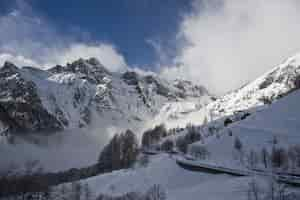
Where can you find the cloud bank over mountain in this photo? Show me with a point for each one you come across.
(230, 42)
(26, 38)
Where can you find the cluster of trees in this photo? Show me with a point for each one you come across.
(33, 181)
(276, 158)
(199, 152)
(71, 191)
(167, 145)
(283, 158)
(151, 137)
(156, 192)
(121, 152)
(193, 135)
(273, 190)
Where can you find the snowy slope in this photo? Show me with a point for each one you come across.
(180, 114)
(178, 183)
(280, 121)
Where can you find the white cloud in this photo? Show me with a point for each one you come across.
(17, 60)
(105, 53)
(28, 39)
(233, 41)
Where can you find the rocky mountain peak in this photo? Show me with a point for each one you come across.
(90, 69)
(8, 69)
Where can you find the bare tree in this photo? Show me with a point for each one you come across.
(76, 191)
(167, 145)
(279, 157)
(273, 191)
(88, 195)
(294, 156)
(144, 160)
(253, 190)
(182, 144)
(252, 159)
(238, 144)
(265, 157)
(156, 192)
(129, 148)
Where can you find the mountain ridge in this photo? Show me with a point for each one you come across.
(69, 96)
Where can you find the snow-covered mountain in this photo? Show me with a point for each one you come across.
(269, 87)
(72, 96)
(78, 94)
(272, 100)
(276, 83)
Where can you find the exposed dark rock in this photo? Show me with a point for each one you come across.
(20, 106)
(131, 78)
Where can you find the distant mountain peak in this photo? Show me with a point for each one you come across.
(274, 84)
(9, 67)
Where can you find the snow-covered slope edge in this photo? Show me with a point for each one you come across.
(242, 144)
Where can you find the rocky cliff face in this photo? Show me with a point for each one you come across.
(75, 95)
(21, 108)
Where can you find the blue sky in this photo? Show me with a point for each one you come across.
(204, 41)
(134, 27)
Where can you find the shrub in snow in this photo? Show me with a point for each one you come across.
(87, 193)
(227, 121)
(69, 191)
(297, 82)
(199, 151)
(76, 191)
(156, 192)
(254, 191)
(274, 141)
(294, 156)
(252, 159)
(238, 144)
(238, 147)
(266, 100)
(167, 145)
(230, 132)
(265, 157)
(144, 160)
(182, 144)
(212, 130)
(279, 157)
(127, 196)
(271, 191)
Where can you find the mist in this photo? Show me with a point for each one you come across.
(230, 42)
